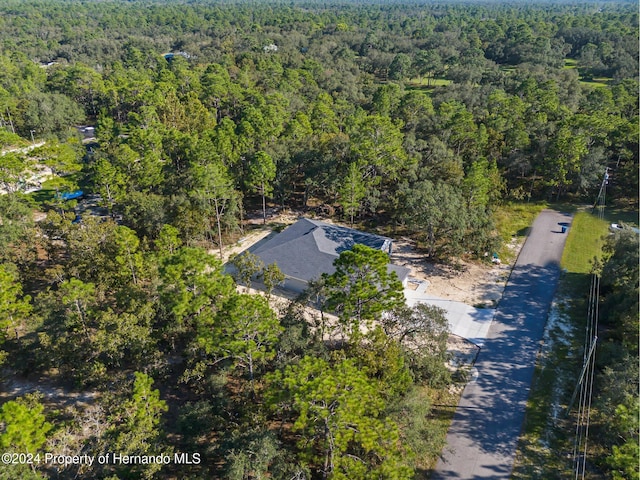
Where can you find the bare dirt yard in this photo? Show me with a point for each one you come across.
(476, 283)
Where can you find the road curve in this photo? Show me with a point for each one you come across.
(481, 441)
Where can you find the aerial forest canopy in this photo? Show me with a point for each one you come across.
(388, 109)
(417, 118)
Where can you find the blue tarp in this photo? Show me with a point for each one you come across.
(71, 195)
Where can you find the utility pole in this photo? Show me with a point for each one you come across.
(10, 121)
(531, 189)
(32, 139)
(603, 186)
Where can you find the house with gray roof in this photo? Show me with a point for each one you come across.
(308, 248)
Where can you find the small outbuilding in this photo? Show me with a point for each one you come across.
(308, 248)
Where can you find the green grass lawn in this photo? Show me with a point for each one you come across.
(584, 242)
(596, 82)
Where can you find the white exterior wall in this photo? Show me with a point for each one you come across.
(295, 285)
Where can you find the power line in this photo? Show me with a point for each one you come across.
(584, 386)
(585, 383)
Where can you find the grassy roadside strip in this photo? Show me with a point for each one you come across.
(425, 82)
(444, 403)
(546, 444)
(512, 222)
(584, 243)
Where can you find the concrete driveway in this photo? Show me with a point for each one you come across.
(465, 321)
(482, 439)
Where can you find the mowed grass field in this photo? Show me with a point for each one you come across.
(584, 242)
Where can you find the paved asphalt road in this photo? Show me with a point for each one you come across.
(481, 441)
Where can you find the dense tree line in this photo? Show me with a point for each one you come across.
(419, 118)
(617, 405)
(336, 112)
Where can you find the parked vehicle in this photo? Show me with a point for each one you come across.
(616, 227)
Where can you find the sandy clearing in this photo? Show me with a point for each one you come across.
(475, 283)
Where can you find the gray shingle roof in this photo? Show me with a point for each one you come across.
(307, 249)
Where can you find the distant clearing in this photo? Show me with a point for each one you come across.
(572, 64)
(428, 83)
